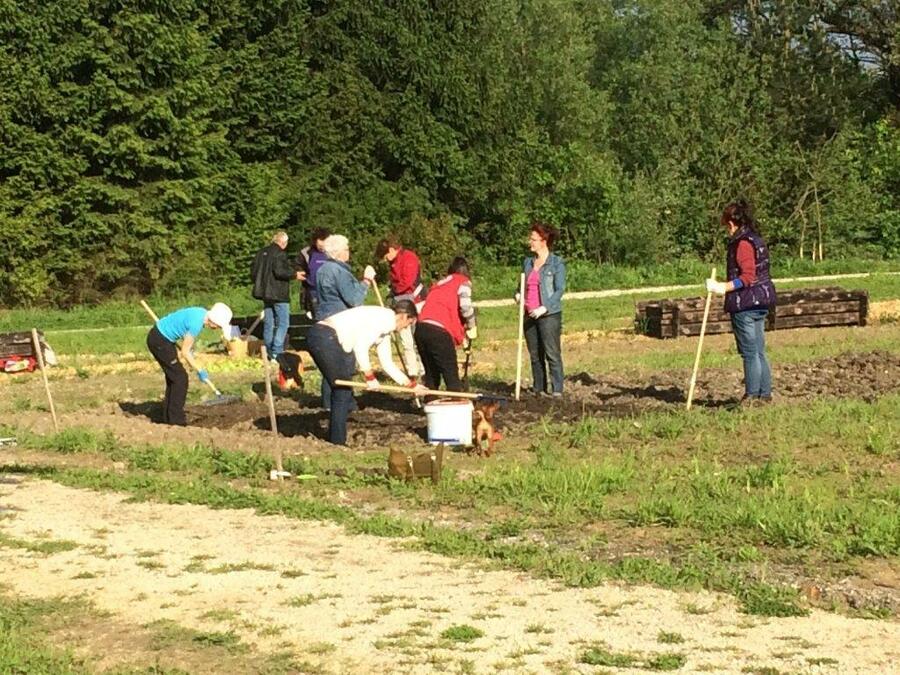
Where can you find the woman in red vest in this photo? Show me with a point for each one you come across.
(440, 328)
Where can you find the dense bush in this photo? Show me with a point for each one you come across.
(153, 145)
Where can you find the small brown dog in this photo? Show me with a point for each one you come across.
(483, 427)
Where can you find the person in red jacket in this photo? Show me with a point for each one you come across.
(446, 320)
(406, 271)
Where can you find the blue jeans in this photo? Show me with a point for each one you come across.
(275, 326)
(543, 339)
(334, 364)
(749, 329)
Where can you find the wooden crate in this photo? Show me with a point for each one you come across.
(19, 344)
(801, 308)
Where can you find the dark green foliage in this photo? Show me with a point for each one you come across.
(154, 146)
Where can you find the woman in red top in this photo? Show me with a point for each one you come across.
(440, 327)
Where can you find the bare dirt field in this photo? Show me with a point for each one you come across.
(359, 604)
(383, 420)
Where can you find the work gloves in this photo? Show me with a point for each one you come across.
(372, 382)
(369, 273)
(717, 287)
(203, 376)
(538, 312)
(419, 389)
(472, 333)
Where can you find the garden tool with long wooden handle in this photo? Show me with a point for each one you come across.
(521, 337)
(690, 397)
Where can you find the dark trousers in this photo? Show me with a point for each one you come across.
(166, 355)
(334, 364)
(438, 354)
(543, 337)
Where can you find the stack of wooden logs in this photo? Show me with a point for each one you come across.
(802, 308)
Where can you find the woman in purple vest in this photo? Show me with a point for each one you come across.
(749, 293)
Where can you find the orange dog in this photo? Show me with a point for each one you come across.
(483, 427)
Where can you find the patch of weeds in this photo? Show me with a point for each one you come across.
(245, 566)
(308, 598)
(669, 638)
(150, 564)
(766, 600)
(219, 615)
(272, 630)
(761, 670)
(293, 574)
(462, 633)
(228, 640)
(821, 661)
(148, 554)
(670, 661)
(537, 628)
(48, 547)
(85, 575)
(319, 648)
(697, 610)
(597, 656)
(382, 599)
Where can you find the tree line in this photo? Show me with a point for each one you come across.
(155, 144)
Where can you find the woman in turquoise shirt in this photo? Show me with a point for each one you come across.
(185, 325)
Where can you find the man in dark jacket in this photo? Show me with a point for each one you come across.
(272, 273)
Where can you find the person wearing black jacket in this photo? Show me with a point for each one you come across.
(272, 273)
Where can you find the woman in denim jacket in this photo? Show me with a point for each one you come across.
(545, 283)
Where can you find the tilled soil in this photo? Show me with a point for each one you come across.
(383, 420)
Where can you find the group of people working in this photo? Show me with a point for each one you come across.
(434, 322)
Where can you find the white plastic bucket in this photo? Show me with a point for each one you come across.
(449, 421)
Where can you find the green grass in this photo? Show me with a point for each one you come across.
(805, 486)
(462, 633)
(23, 646)
(46, 547)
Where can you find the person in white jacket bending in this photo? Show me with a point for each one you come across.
(341, 343)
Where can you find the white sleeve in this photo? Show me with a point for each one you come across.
(361, 351)
(387, 363)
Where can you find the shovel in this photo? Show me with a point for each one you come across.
(392, 389)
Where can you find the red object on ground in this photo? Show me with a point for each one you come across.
(18, 364)
(497, 436)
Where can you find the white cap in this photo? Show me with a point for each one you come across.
(220, 314)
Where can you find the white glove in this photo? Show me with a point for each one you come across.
(518, 297)
(372, 384)
(420, 390)
(717, 287)
(369, 273)
(472, 333)
(538, 312)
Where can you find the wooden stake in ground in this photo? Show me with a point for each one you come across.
(521, 336)
(40, 358)
(690, 398)
(278, 473)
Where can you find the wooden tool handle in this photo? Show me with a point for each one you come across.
(253, 326)
(693, 384)
(149, 311)
(39, 353)
(521, 336)
(393, 389)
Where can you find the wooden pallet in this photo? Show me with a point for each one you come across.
(802, 308)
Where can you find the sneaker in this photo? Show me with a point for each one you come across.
(764, 400)
(748, 401)
(556, 394)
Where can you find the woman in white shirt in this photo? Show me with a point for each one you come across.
(341, 343)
